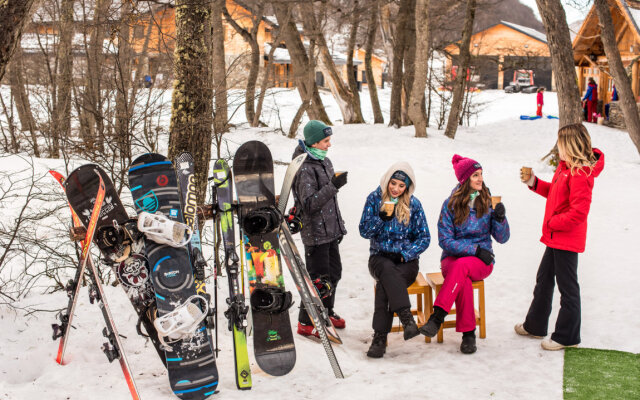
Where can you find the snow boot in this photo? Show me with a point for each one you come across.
(307, 330)
(408, 323)
(337, 321)
(378, 345)
(468, 345)
(435, 321)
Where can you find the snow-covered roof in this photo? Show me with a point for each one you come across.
(281, 56)
(527, 31)
(31, 42)
(83, 10)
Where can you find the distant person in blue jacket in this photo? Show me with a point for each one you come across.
(467, 223)
(590, 100)
(614, 97)
(394, 222)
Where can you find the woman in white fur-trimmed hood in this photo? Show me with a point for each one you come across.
(395, 224)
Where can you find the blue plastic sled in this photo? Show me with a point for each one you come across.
(552, 117)
(529, 117)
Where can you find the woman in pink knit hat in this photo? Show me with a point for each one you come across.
(467, 223)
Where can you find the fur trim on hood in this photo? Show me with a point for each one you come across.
(399, 166)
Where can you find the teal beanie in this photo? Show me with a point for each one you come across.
(315, 131)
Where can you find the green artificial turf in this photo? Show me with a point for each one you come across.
(601, 374)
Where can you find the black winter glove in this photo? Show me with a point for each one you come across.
(499, 212)
(395, 257)
(383, 215)
(485, 255)
(339, 180)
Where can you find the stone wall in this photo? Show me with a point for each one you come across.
(616, 117)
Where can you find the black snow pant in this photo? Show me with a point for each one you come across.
(561, 266)
(391, 289)
(322, 260)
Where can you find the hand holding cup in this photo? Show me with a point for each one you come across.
(527, 176)
(386, 210)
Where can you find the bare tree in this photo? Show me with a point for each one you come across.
(251, 37)
(368, 48)
(191, 108)
(623, 84)
(299, 61)
(19, 93)
(416, 112)
(351, 112)
(399, 49)
(220, 118)
(559, 40)
(13, 16)
(464, 60)
(353, 36)
(386, 32)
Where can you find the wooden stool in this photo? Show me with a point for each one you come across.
(421, 289)
(435, 281)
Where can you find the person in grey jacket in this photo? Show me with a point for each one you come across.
(315, 191)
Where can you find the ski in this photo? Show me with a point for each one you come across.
(237, 312)
(73, 287)
(310, 297)
(259, 221)
(289, 176)
(191, 363)
(113, 349)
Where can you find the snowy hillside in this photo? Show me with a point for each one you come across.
(505, 366)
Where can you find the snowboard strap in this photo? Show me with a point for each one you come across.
(272, 300)
(324, 287)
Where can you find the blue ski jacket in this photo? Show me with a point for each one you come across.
(392, 236)
(463, 240)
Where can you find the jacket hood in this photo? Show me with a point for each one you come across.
(597, 167)
(299, 149)
(399, 166)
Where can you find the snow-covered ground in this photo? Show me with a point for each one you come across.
(505, 366)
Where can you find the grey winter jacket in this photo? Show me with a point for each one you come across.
(317, 198)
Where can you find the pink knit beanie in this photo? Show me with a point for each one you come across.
(464, 167)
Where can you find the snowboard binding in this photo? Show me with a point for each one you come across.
(182, 322)
(324, 287)
(294, 221)
(272, 300)
(162, 230)
(261, 221)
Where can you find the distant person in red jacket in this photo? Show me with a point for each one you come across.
(590, 100)
(564, 231)
(540, 101)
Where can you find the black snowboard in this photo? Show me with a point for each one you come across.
(190, 363)
(127, 260)
(273, 344)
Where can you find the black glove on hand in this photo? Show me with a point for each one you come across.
(383, 215)
(395, 257)
(499, 212)
(339, 180)
(485, 255)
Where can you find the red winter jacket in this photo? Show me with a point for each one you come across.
(540, 99)
(568, 201)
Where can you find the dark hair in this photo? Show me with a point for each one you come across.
(540, 89)
(591, 80)
(459, 202)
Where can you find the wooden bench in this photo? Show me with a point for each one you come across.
(435, 281)
(421, 289)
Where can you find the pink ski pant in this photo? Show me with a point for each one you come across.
(458, 274)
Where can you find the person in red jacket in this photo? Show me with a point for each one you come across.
(539, 101)
(564, 231)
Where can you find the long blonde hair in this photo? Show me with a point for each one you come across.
(575, 142)
(403, 207)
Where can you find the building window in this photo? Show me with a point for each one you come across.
(364, 77)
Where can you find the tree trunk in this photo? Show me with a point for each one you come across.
(19, 93)
(464, 59)
(386, 33)
(62, 111)
(251, 37)
(191, 107)
(351, 113)
(421, 64)
(123, 85)
(300, 63)
(623, 84)
(399, 40)
(14, 14)
(352, 77)
(297, 119)
(220, 118)
(409, 60)
(371, 82)
(559, 41)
